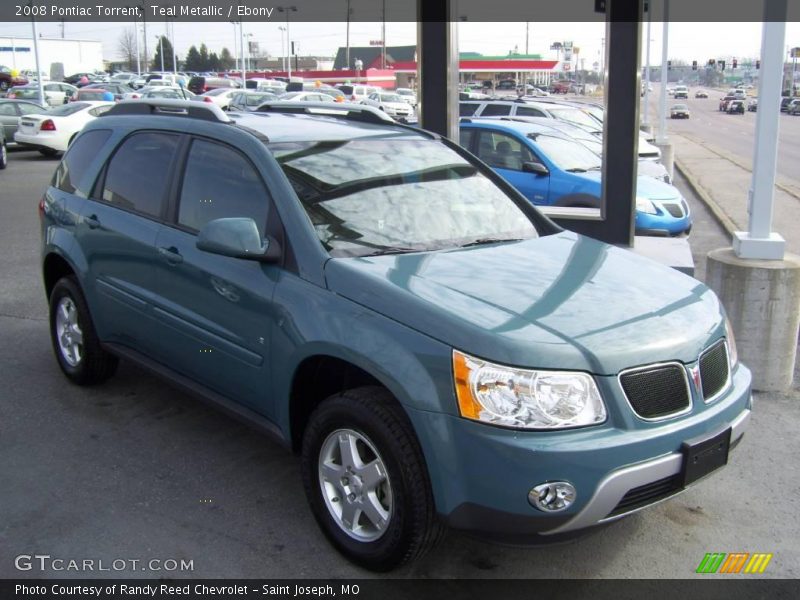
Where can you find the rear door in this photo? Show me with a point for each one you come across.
(117, 234)
(215, 312)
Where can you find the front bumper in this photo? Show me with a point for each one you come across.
(481, 475)
(664, 222)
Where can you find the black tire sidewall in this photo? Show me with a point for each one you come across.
(3, 155)
(391, 548)
(67, 288)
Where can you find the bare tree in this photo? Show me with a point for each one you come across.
(126, 48)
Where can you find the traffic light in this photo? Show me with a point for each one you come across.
(758, 63)
(669, 65)
(711, 62)
(735, 62)
(722, 65)
(694, 65)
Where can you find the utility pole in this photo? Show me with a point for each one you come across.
(383, 38)
(39, 83)
(62, 28)
(161, 50)
(527, 35)
(174, 54)
(662, 140)
(138, 54)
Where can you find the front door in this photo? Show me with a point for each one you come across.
(216, 311)
(506, 155)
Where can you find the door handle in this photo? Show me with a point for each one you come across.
(92, 221)
(171, 255)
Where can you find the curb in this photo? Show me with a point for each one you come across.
(741, 165)
(719, 215)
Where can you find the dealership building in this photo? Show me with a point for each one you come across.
(57, 56)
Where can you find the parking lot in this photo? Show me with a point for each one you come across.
(136, 470)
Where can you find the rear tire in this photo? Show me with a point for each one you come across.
(366, 480)
(75, 342)
(3, 155)
(49, 152)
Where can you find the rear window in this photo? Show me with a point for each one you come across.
(496, 110)
(346, 89)
(67, 109)
(73, 167)
(139, 173)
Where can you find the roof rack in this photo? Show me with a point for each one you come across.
(353, 112)
(204, 111)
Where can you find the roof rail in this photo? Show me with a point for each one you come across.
(204, 111)
(353, 112)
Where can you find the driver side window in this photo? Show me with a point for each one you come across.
(501, 151)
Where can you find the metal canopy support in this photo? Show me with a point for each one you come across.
(760, 242)
(620, 128)
(437, 66)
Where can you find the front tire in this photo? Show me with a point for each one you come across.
(3, 156)
(75, 343)
(366, 480)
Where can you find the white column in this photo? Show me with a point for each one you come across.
(759, 242)
(646, 119)
(662, 95)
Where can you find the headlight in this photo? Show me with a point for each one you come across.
(646, 206)
(525, 398)
(733, 354)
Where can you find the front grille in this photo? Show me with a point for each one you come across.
(714, 370)
(676, 210)
(647, 494)
(658, 391)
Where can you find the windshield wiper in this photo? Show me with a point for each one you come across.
(488, 240)
(575, 170)
(393, 250)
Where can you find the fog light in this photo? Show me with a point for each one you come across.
(552, 496)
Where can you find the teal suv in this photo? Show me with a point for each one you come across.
(437, 351)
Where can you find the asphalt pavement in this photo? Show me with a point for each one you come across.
(133, 469)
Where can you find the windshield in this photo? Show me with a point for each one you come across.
(391, 98)
(567, 155)
(24, 92)
(67, 109)
(405, 92)
(289, 95)
(368, 197)
(259, 99)
(573, 115)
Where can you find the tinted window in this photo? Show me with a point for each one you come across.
(219, 182)
(139, 171)
(77, 160)
(527, 111)
(465, 138)
(467, 109)
(496, 110)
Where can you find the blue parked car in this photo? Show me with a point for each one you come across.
(436, 350)
(553, 170)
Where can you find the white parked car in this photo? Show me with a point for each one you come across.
(306, 97)
(390, 103)
(408, 95)
(169, 91)
(221, 96)
(356, 93)
(52, 132)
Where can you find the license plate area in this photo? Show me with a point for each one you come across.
(703, 456)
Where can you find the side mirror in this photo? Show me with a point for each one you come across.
(238, 238)
(536, 168)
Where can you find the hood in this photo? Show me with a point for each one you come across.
(560, 302)
(646, 186)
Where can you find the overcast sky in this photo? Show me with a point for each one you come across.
(687, 41)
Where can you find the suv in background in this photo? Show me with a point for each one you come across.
(681, 92)
(201, 84)
(434, 348)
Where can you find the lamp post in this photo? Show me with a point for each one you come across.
(174, 54)
(347, 37)
(287, 10)
(39, 83)
(144, 24)
(283, 47)
(160, 39)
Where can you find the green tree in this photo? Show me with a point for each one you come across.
(167, 49)
(193, 60)
(226, 60)
(204, 66)
(213, 62)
